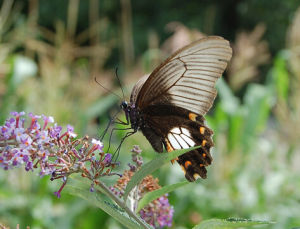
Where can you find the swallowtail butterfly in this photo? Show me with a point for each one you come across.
(169, 104)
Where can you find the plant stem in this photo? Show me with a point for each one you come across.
(4, 143)
(123, 205)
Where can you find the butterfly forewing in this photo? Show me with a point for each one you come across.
(136, 89)
(188, 77)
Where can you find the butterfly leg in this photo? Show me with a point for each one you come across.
(110, 136)
(121, 142)
(122, 122)
(111, 121)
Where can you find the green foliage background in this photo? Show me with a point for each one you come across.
(50, 52)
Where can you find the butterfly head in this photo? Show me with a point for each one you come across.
(124, 105)
(132, 114)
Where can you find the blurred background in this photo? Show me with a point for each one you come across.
(51, 51)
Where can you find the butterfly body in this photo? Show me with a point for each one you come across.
(132, 114)
(169, 104)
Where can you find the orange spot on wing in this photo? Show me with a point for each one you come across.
(204, 142)
(204, 154)
(187, 164)
(201, 165)
(192, 116)
(202, 130)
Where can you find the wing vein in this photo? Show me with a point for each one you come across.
(191, 99)
(180, 85)
(187, 78)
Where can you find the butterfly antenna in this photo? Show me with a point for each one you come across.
(108, 89)
(111, 121)
(120, 83)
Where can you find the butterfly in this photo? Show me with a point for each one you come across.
(169, 104)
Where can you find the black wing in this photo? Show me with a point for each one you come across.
(178, 128)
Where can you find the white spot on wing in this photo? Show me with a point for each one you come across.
(180, 138)
(176, 130)
(188, 140)
(173, 141)
(186, 132)
(181, 141)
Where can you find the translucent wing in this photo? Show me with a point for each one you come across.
(137, 87)
(187, 78)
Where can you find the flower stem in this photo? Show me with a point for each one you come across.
(123, 205)
(7, 142)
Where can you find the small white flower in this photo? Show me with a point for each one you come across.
(19, 132)
(50, 119)
(72, 135)
(98, 143)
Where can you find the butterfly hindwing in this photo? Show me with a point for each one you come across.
(177, 128)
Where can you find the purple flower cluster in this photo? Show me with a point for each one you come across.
(158, 213)
(39, 143)
(136, 158)
(17, 142)
(54, 152)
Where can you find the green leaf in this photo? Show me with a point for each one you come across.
(153, 165)
(229, 102)
(150, 196)
(281, 77)
(101, 202)
(257, 107)
(235, 128)
(78, 181)
(229, 223)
